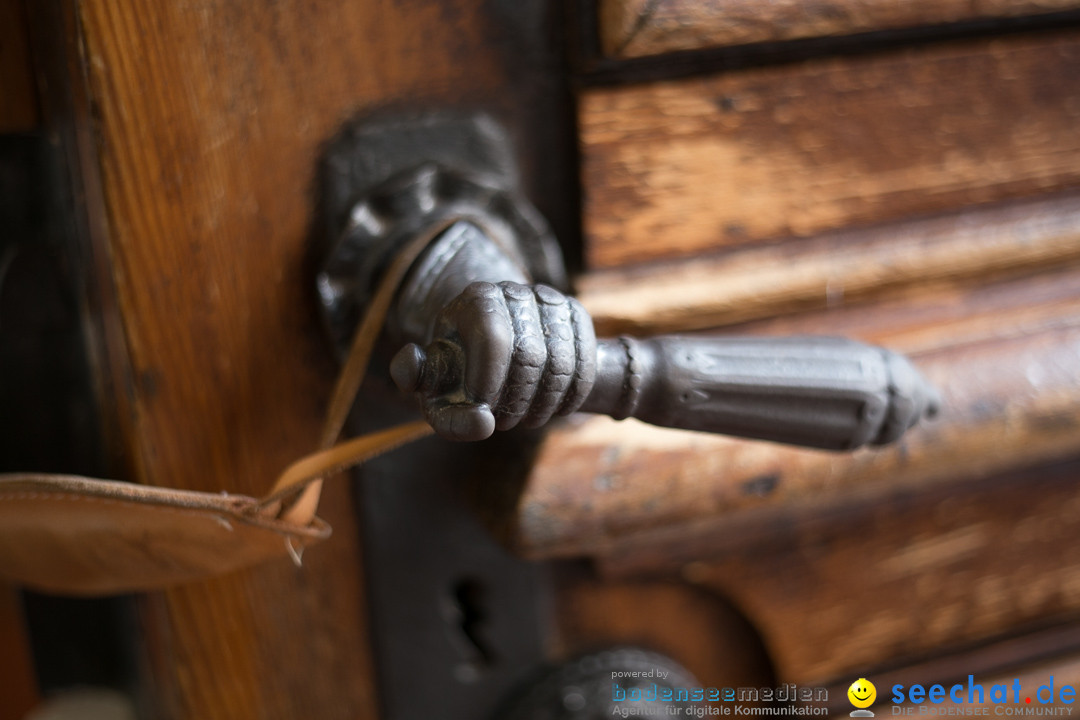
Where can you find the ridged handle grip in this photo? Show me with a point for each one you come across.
(819, 392)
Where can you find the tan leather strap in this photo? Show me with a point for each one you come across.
(67, 534)
(302, 509)
(306, 472)
(85, 536)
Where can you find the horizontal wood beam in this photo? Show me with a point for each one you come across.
(745, 158)
(1003, 355)
(639, 28)
(835, 268)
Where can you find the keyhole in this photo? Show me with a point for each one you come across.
(469, 599)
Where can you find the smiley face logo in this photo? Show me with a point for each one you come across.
(862, 693)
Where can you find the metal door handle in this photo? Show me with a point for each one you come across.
(830, 393)
(489, 344)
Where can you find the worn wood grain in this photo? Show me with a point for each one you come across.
(210, 118)
(835, 268)
(1004, 356)
(637, 28)
(708, 163)
(895, 578)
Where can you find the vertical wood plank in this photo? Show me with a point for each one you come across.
(210, 119)
(638, 28)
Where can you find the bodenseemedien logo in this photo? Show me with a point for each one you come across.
(862, 694)
(638, 698)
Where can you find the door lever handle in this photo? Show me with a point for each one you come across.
(490, 344)
(512, 354)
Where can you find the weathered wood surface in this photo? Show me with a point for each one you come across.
(708, 163)
(1004, 355)
(889, 580)
(637, 28)
(209, 120)
(835, 268)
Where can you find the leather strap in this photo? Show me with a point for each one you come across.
(76, 535)
(302, 509)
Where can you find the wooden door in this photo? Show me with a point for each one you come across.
(905, 175)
